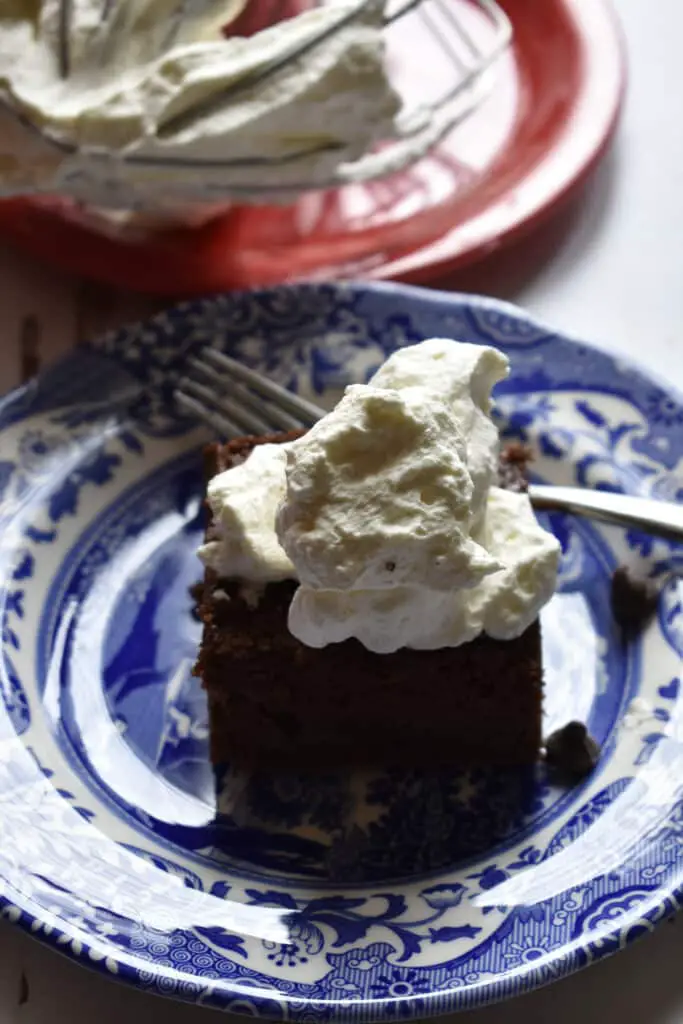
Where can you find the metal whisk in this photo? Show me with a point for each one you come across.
(465, 38)
(472, 57)
(473, 61)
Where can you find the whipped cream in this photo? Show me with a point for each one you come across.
(244, 502)
(503, 604)
(379, 496)
(149, 94)
(463, 376)
(388, 515)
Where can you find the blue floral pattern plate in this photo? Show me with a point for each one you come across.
(377, 896)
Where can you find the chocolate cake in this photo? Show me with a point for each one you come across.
(278, 704)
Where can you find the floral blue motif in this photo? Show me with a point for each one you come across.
(380, 895)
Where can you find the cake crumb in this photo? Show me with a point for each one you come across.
(517, 453)
(514, 459)
(634, 602)
(571, 753)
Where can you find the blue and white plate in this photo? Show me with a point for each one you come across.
(383, 896)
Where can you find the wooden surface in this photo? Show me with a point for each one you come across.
(43, 314)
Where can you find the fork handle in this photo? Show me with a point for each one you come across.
(660, 518)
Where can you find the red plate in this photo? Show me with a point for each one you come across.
(548, 122)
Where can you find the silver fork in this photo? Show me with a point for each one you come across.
(235, 400)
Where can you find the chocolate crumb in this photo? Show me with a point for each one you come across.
(517, 453)
(514, 459)
(634, 602)
(571, 753)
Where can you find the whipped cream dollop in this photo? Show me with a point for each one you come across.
(244, 501)
(108, 102)
(388, 514)
(463, 376)
(379, 496)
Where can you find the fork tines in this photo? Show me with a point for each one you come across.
(233, 399)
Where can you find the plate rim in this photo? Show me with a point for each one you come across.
(419, 267)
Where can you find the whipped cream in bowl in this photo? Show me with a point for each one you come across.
(388, 514)
(147, 103)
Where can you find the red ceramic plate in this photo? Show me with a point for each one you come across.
(548, 121)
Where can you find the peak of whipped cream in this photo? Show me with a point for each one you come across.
(388, 514)
(379, 495)
(123, 98)
(463, 376)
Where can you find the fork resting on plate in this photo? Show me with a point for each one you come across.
(234, 400)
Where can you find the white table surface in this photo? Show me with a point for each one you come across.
(609, 270)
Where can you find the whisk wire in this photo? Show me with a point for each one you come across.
(420, 128)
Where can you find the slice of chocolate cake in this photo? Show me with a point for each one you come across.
(352, 692)
(277, 704)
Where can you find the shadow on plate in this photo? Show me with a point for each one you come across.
(367, 827)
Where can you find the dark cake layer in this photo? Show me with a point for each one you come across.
(275, 703)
